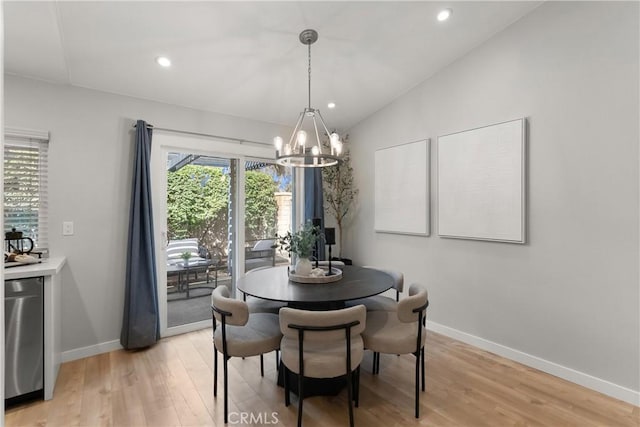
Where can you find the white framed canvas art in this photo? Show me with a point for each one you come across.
(402, 189)
(482, 183)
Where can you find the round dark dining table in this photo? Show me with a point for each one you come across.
(274, 284)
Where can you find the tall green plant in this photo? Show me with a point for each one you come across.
(339, 191)
(196, 196)
(261, 207)
(198, 203)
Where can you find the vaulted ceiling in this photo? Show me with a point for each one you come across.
(244, 58)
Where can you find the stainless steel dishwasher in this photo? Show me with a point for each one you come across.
(24, 337)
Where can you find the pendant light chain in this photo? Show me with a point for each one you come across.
(309, 46)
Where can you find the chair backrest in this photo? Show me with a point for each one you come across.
(253, 270)
(309, 320)
(408, 308)
(264, 245)
(336, 264)
(236, 312)
(176, 248)
(398, 277)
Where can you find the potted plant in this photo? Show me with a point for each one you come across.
(339, 194)
(185, 256)
(301, 243)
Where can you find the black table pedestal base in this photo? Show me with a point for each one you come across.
(312, 386)
(317, 306)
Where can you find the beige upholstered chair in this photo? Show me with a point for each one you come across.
(315, 345)
(240, 334)
(380, 302)
(334, 264)
(400, 332)
(257, 305)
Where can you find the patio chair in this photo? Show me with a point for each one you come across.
(261, 254)
(175, 249)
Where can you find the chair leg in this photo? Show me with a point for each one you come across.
(277, 359)
(215, 372)
(300, 398)
(373, 364)
(226, 388)
(422, 368)
(376, 363)
(261, 365)
(287, 397)
(417, 354)
(357, 388)
(350, 396)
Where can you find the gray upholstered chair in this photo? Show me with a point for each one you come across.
(380, 302)
(240, 334)
(400, 332)
(322, 344)
(257, 305)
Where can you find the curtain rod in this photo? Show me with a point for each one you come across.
(206, 135)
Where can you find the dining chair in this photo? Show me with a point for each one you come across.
(322, 344)
(241, 334)
(334, 264)
(400, 332)
(257, 305)
(381, 302)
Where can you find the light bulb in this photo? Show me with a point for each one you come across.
(163, 61)
(287, 149)
(302, 137)
(338, 148)
(335, 138)
(277, 141)
(443, 15)
(315, 151)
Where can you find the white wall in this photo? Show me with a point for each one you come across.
(570, 295)
(91, 155)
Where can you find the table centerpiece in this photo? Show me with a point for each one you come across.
(302, 243)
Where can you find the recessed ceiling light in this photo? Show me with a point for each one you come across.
(331, 105)
(445, 14)
(163, 61)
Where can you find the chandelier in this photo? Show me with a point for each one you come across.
(303, 151)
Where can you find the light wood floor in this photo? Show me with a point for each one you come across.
(171, 385)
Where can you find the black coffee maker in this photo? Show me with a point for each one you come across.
(15, 243)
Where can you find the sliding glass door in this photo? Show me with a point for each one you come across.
(268, 213)
(200, 195)
(217, 211)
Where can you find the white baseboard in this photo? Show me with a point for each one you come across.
(602, 386)
(105, 347)
(92, 350)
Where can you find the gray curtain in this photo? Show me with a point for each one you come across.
(314, 201)
(140, 322)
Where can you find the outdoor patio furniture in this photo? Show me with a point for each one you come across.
(262, 254)
(176, 248)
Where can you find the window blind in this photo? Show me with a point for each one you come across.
(26, 185)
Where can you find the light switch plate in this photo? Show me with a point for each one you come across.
(67, 228)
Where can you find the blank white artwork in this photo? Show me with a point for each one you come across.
(481, 183)
(402, 189)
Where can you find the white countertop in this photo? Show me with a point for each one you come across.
(48, 267)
